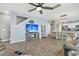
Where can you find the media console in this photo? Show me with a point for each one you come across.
(32, 35)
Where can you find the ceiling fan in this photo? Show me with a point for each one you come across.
(40, 6)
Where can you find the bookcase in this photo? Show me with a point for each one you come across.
(43, 31)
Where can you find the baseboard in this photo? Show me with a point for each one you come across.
(5, 40)
(17, 41)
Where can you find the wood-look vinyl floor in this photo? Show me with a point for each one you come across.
(37, 47)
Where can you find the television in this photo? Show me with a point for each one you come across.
(32, 27)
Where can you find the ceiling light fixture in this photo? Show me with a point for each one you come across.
(7, 12)
(39, 8)
(3, 29)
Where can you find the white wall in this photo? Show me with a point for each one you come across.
(4, 26)
(71, 25)
(48, 28)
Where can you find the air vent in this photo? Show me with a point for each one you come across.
(63, 15)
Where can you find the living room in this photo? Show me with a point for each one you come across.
(31, 32)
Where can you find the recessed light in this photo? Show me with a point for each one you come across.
(3, 29)
(7, 12)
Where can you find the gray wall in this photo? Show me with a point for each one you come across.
(4, 26)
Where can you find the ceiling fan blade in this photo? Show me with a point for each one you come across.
(41, 4)
(48, 8)
(40, 11)
(56, 6)
(51, 8)
(31, 10)
(32, 4)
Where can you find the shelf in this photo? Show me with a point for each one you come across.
(43, 30)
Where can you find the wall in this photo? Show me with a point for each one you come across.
(20, 19)
(54, 26)
(48, 28)
(18, 31)
(71, 25)
(4, 26)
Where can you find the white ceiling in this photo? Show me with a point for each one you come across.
(71, 9)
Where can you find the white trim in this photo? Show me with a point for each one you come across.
(5, 12)
(4, 40)
(17, 41)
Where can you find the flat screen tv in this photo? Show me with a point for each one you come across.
(32, 27)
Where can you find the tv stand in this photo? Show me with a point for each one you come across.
(32, 35)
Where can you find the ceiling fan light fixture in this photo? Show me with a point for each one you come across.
(39, 8)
